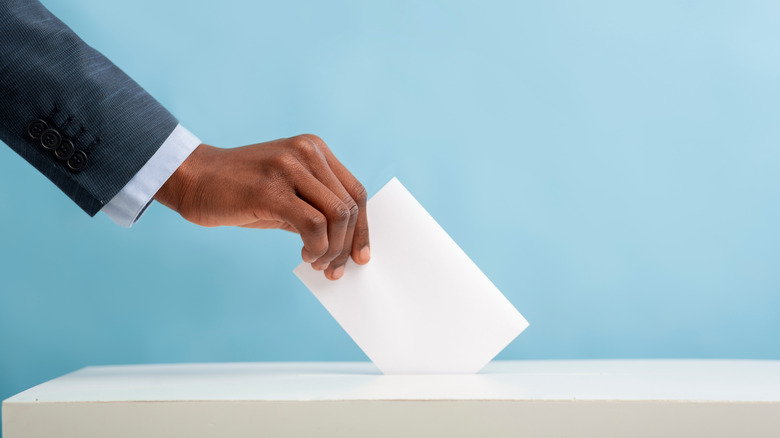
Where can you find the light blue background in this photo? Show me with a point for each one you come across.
(611, 166)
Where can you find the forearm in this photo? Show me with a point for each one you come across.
(49, 73)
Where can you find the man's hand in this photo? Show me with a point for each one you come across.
(295, 184)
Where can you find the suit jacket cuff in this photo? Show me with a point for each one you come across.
(130, 203)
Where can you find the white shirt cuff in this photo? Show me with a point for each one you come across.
(131, 202)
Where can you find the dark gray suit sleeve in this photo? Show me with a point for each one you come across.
(96, 127)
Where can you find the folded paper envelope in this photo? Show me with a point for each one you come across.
(420, 306)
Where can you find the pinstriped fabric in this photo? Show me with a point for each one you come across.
(44, 65)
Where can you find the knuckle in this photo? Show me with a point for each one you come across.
(317, 250)
(315, 138)
(341, 212)
(358, 192)
(286, 161)
(353, 211)
(333, 252)
(316, 224)
(303, 144)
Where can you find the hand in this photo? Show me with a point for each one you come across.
(295, 184)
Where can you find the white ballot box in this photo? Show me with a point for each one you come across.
(604, 398)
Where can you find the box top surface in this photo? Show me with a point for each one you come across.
(683, 380)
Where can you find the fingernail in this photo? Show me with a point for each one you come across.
(317, 267)
(365, 254)
(307, 258)
(338, 272)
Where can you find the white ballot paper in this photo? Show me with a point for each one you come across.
(420, 306)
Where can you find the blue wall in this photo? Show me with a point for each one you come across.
(611, 166)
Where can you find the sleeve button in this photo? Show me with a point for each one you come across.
(36, 128)
(78, 161)
(51, 139)
(65, 150)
